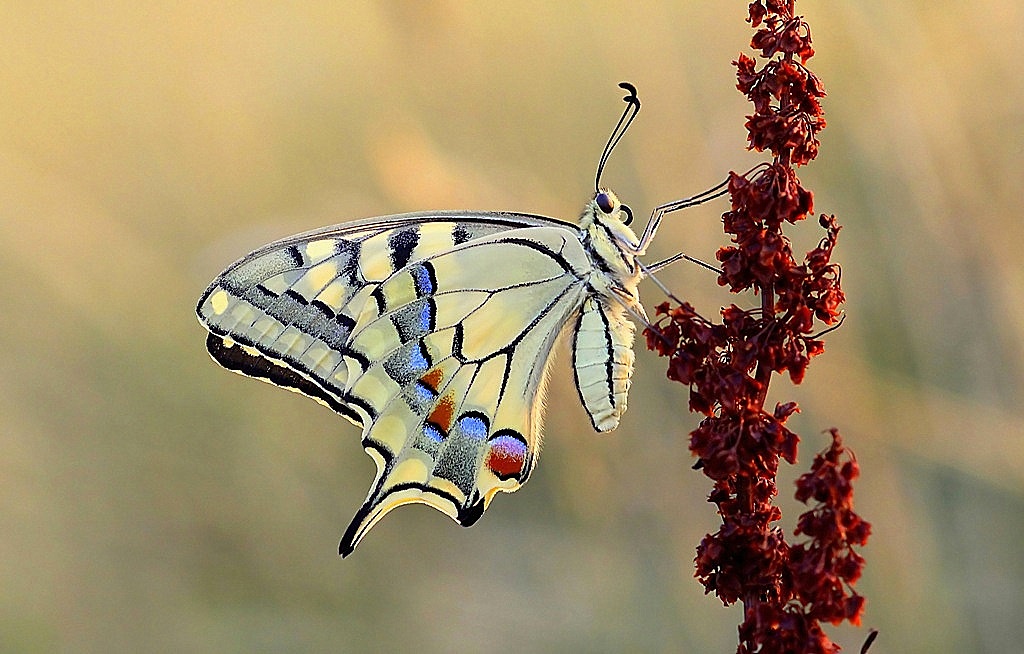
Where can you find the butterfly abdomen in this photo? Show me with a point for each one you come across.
(602, 360)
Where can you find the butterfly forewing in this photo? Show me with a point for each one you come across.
(432, 332)
(312, 287)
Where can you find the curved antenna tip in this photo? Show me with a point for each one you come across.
(632, 107)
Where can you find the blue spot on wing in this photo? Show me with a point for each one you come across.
(429, 439)
(426, 317)
(415, 320)
(459, 458)
(419, 361)
(473, 426)
(408, 363)
(431, 432)
(423, 278)
(424, 392)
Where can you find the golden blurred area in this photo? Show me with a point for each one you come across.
(151, 501)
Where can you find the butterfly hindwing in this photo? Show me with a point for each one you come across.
(459, 343)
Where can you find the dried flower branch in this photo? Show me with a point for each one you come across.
(787, 589)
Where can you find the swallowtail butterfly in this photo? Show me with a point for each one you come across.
(432, 332)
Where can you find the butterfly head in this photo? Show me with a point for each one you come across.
(605, 230)
(606, 213)
(608, 204)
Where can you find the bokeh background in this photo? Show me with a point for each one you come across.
(150, 501)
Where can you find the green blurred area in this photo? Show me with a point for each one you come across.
(150, 501)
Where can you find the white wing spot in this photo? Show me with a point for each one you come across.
(319, 250)
(219, 302)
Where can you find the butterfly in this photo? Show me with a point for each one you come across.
(433, 332)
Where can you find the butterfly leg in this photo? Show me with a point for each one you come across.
(665, 263)
(659, 212)
(651, 269)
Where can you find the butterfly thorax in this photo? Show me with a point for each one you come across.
(613, 249)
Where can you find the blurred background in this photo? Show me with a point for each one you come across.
(151, 501)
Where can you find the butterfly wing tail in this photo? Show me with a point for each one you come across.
(412, 477)
(385, 497)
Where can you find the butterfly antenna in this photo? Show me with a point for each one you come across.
(628, 114)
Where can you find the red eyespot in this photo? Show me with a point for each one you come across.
(507, 455)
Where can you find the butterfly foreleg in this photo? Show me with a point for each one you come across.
(659, 212)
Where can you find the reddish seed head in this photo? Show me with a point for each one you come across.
(787, 590)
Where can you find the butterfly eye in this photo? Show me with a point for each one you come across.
(629, 214)
(604, 202)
